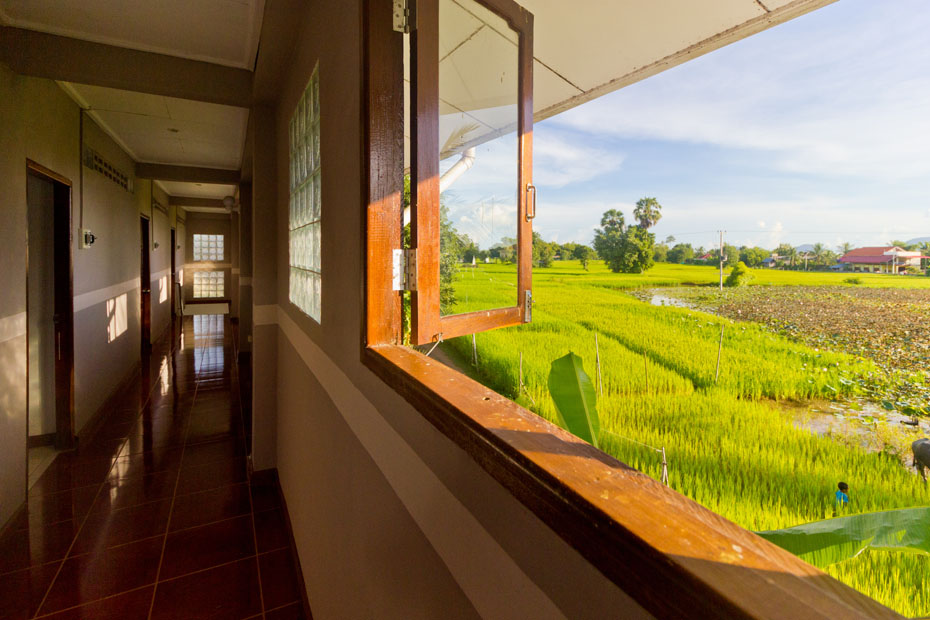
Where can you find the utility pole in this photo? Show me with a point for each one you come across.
(721, 258)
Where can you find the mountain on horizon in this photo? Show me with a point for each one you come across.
(919, 240)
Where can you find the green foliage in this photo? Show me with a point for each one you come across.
(827, 542)
(753, 257)
(648, 212)
(660, 253)
(739, 276)
(543, 251)
(854, 281)
(625, 249)
(584, 254)
(574, 397)
(729, 447)
(681, 253)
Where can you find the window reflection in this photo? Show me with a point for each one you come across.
(163, 289)
(117, 321)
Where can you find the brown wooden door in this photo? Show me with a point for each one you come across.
(174, 272)
(57, 256)
(146, 295)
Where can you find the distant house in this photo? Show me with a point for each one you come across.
(771, 262)
(889, 259)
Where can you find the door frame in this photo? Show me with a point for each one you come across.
(145, 277)
(174, 269)
(63, 304)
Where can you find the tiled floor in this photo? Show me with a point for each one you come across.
(155, 517)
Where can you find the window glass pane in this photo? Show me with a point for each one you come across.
(304, 207)
(209, 248)
(479, 158)
(209, 284)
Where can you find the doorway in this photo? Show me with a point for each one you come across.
(146, 295)
(174, 274)
(50, 318)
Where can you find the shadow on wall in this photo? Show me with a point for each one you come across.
(117, 319)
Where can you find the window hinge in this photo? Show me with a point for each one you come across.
(405, 16)
(528, 307)
(404, 270)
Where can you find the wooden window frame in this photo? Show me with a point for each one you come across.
(428, 325)
(674, 557)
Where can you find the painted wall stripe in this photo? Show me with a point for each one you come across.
(474, 558)
(92, 298)
(12, 326)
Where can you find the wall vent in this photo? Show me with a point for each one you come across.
(94, 161)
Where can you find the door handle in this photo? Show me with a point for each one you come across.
(530, 203)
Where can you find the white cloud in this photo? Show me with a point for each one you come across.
(822, 97)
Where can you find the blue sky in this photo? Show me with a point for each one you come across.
(815, 130)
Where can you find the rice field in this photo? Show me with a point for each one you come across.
(729, 447)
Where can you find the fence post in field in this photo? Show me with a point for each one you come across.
(597, 358)
(664, 468)
(719, 351)
(474, 349)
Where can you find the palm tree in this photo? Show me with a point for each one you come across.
(845, 248)
(648, 212)
(818, 253)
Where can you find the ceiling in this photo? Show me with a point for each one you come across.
(165, 130)
(582, 50)
(197, 190)
(224, 32)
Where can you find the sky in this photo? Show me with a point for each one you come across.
(817, 130)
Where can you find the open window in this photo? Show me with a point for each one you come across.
(471, 114)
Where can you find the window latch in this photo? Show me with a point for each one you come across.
(528, 307)
(405, 16)
(404, 270)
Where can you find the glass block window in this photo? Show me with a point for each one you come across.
(208, 248)
(208, 284)
(305, 209)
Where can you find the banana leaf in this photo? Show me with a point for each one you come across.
(822, 543)
(574, 397)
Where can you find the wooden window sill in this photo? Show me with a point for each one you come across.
(672, 555)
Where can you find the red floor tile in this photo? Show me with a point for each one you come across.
(208, 506)
(206, 477)
(33, 546)
(265, 496)
(93, 576)
(294, 611)
(279, 581)
(206, 546)
(116, 494)
(22, 592)
(133, 605)
(201, 454)
(45, 510)
(270, 530)
(229, 591)
(110, 528)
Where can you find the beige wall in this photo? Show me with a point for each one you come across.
(391, 518)
(40, 122)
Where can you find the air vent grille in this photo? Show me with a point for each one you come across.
(94, 161)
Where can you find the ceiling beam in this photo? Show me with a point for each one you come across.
(187, 174)
(181, 201)
(54, 57)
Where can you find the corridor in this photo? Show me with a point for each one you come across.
(155, 516)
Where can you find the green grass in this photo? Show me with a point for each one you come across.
(729, 447)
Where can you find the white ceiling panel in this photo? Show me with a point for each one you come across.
(220, 31)
(197, 190)
(166, 130)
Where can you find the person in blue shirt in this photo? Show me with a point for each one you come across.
(842, 495)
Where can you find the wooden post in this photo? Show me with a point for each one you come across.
(474, 348)
(719, 351)
(597, 357)
(664, 468)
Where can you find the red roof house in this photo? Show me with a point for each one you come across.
(889, 259)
